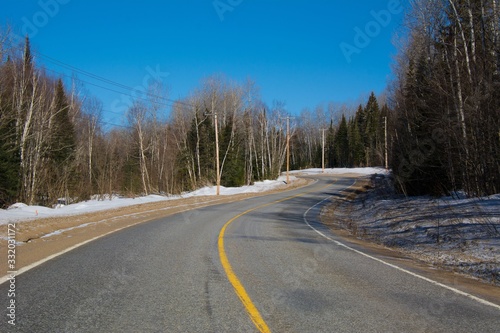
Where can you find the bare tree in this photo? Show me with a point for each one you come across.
(138, 116)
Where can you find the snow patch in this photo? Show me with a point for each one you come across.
(461, 234)
(17, 205)
(340, 171)
(20, 212)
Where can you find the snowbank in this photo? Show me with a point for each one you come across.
(340, 171)
(461, 235)
(257, 187)
(21, 212)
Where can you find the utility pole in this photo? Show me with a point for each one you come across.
(287, 149)
(323, 150)
(386, 148)
(217, 192)
(217, 153)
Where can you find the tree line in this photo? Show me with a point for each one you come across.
(446, 99)
(53, 143)
(438, 124)
(37, 133)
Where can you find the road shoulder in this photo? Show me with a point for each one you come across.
(351, 237)
(39, 239)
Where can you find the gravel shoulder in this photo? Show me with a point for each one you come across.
(41, 238)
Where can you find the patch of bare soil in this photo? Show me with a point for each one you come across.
(41, 238)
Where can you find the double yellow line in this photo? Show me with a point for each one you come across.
(254, 314)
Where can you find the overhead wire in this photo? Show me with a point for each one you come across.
(160, 100)
(98, 86)
(167, 101)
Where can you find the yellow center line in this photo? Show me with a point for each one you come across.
(254, 314)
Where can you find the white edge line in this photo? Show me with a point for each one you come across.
(457, 291)
(24, 269)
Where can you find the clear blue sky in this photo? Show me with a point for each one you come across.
(291, 49)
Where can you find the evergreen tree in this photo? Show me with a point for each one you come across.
(27, 57)
(9, 153)
(418, 164)
(360, 120)
(63, 142)
(59, 179)
(356, 147)
(342, 144)
(233, 173)
(372, 130)
(9, 175)
(330, 146)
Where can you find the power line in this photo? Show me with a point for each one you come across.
(81, 71)
(105, 80)
(168, 102)
(160, 100)
(105, 88)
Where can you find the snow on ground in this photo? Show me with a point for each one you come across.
(340, 171)
(257, 187)
(461, 234)
(21, 212)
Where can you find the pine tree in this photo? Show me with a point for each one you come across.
(9, 157)
(418, 164)
(356, 147)
(60, 178)
(233, 172)
(342, 144)
(63, 142)
(372, 130)
(330, 146)
(27, 57)
(360, 120)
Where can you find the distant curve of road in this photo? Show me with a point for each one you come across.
(264, 264)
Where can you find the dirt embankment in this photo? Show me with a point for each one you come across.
(41, 238)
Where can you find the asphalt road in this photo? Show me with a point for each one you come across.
(169, 275)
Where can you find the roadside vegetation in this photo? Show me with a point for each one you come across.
(54, 143)
(459, 233)
(436, 126)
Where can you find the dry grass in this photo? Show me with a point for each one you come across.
(457, 235)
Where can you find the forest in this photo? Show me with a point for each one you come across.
(437, 126)
(445, 124)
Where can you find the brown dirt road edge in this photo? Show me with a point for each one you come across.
(76, 230)
(69, 232)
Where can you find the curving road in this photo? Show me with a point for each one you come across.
(263, 264)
